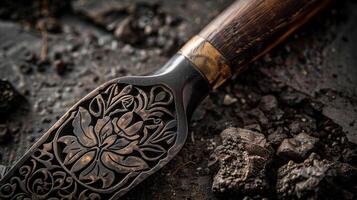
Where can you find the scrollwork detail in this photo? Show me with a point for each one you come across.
(101, 146)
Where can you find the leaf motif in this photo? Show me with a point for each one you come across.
(73, 149)
(97, 106)
(159, 111)
(125, 120)
(97, 171)
(155, 130)
(142, 101)
(121, 164)
(126, 90)
(170, 139)
(110, 140)
(121, 105)
(134, 129)
(124, 150)
(151, 152)
(127, 101)
(82, 130)
(159, 96)
(83, 161)
(159, 135)
(119, 144)
(166, 136)
(113, 91)
(103, 128)
(171, 124)
(145, 135)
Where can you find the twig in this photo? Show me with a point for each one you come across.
(44, 46)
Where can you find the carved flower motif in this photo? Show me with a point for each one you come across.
(119, 134)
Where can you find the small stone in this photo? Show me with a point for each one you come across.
(268, 103)
(254, 127)
(297, 148)
(316, 179)
(229, 100)
(243, 159)
(302, 123)
(125, 32)
(259, 116)
(276, 138)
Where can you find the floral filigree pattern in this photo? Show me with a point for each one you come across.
(120, 132)
(103, 144)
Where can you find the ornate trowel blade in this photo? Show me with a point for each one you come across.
(112, 139)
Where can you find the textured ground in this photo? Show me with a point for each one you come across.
(299, 102)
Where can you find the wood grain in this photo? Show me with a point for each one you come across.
(249, 28)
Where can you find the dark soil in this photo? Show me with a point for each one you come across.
(297, 105)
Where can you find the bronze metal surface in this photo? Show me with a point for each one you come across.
(208, 60)
(112, 139)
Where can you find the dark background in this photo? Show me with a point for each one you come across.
(54, 52)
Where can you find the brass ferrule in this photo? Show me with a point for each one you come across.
(208, 60)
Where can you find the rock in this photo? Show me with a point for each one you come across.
(125, 32)
(243, 160)
(258, 115)
(253, 127)
(8, 97)
(316, 179)
(350, 155)
(142, 25)
(229, 100)
(277, 137)
(297, 148)
(302, 123)
(268, 103)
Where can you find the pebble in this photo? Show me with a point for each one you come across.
(297, 148)
(276, 138)
(316, 178)
(268, 103)
(229, 100)
(243, 159)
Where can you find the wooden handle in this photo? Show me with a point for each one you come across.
(249, 28)
(245, 31)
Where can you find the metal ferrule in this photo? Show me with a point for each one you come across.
(208, 60)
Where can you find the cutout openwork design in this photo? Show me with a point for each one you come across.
(101, 146)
